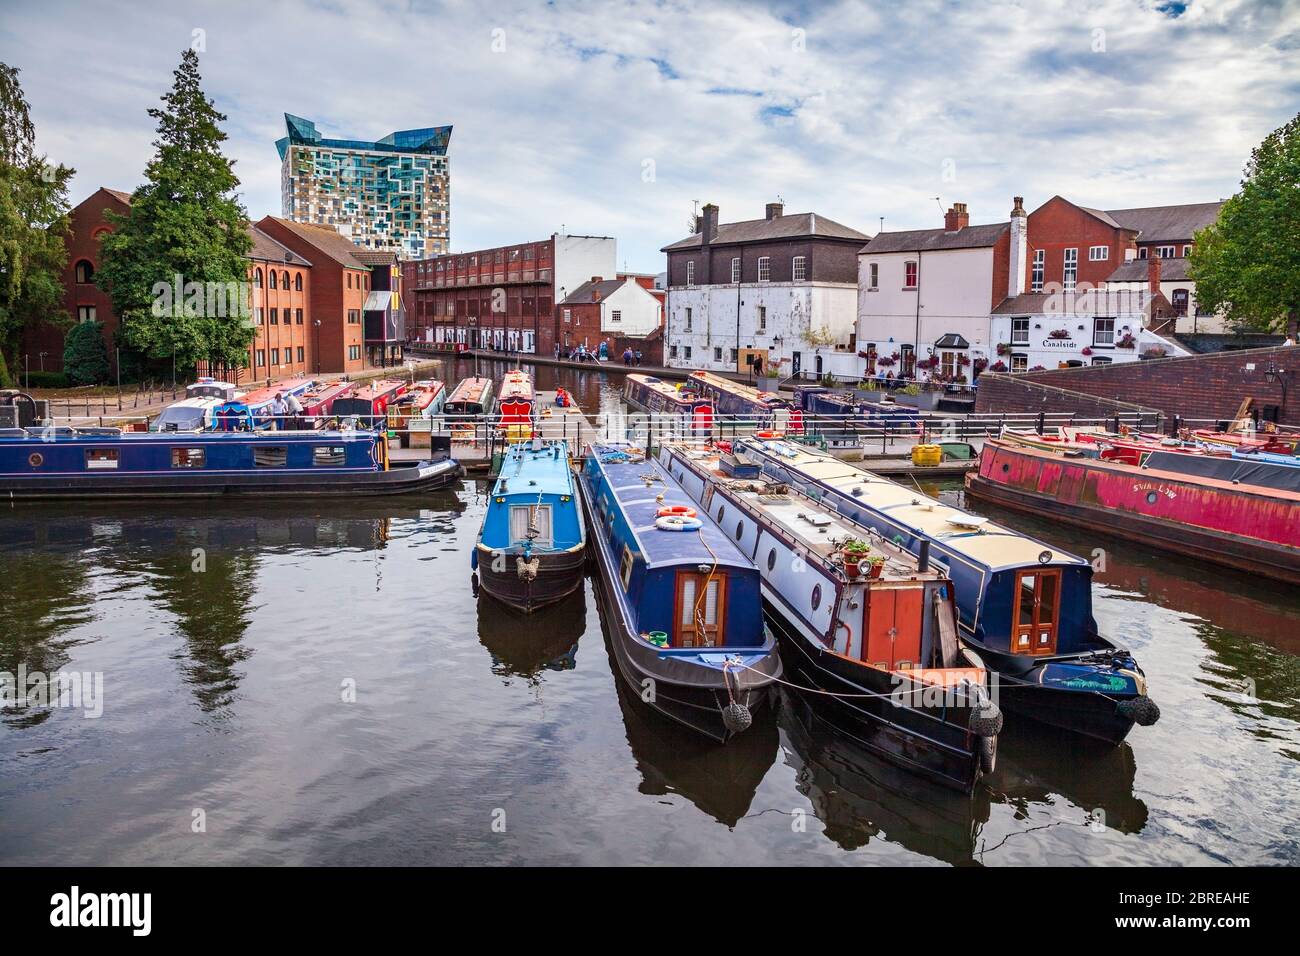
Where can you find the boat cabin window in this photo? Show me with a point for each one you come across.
(329, 455)
(530, 522)
(1037, 607)
(101, 459)
(188, 457)
(625, 567)
(701, 609)
(272, 456)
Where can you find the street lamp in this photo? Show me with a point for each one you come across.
(1276, 375)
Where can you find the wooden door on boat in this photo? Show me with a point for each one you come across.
(700, 615)
(1037, 611)
(893, 627)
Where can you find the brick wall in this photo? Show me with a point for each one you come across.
(1058, 225)
(1208, 387)
(1016, 394)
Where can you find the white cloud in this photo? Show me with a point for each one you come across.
(860, 122)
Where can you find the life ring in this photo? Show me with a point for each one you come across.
(767, 436)
(675, 511)
(678, 523)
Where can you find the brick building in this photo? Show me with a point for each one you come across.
(340, 284)
(385, 312)
(621, 313)
(282, 315)
(504, 297)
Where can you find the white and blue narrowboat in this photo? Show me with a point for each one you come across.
(532, 546)
(685, 603)
(683, 410)
(1023, 606)
(739, 402)
(865, 628)
(196, 412)
(107, 463)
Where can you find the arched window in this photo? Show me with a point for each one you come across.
(273, 279)
(284, 280)
(297, 281)
(257, 278)
(85, 271)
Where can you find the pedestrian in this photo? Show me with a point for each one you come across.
(279, 408)
(295, 411)
(627, 357)
(638, 358)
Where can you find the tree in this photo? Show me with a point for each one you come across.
(33, 224)
(185, 221)
(85, 357)
(1247, 263)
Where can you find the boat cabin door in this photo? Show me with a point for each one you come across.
(701, 611)
(1037, 612)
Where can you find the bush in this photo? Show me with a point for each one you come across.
(85, 359)
(46, 380)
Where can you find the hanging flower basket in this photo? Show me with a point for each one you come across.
(1087, 350)
(1127, 342)
(998, 366)
(1003, 348)
(1059, 334)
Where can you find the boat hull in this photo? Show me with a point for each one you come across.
(690, 695)
(558, 575)
(1090, 715)
(398, 480)
(943, 752)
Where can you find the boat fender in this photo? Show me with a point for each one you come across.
(1143, 711)
(988, 754)
(986, 721)
(736, 717)
(527, 570)
(678, 523)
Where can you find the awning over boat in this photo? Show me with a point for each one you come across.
(1259, 473)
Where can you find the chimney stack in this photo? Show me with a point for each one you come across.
(699, 224)
(775, 209)
(709, 228)
(956, 218)
(1153, 273)
(1019, 258)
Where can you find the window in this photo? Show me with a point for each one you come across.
(672, 351)
(86, 313)
(762, 318)
(1020, 331)
(771, 559)
(909, 275)
(687, 352)
(874, 269)
(354, 352)
(1019, 361)
(688, 321)
(101, 459)
(257, 278)
(1071, 270)
(1165, 252)
(301, 357)
(284, 280)
(273, 279)
(275, 456)
(690, 274)
(1040, 269)
(297, 316)
(524, 518)
(568, 315)
(275, 314)
(908, 363)
(1103, 332)
(1179, 301)
(1142, 253)
(260, 357)
(275, 356)
(717, 354)
(1098, 253)
(354, 316)
(625, 567)
(616, 316)
(328, 455)
(816, 596)
(764, 268)
(85, 272)
(1187, 251)
(187, 457)
(297, 282)
(735, 269)
(799, 268)
(732, 356)
(1101, 360)
(349, 280)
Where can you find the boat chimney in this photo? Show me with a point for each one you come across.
(923, 558)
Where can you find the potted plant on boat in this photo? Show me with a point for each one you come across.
(855, 551)
(875, 566)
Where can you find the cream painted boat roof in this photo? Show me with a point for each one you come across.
(993, 545)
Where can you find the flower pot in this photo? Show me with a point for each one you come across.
(852, 567)
(875, 570)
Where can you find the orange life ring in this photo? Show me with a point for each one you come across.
(677, 511)
(766, 435)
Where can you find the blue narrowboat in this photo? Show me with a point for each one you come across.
(686, 604)
(107, 463)
(682, 410)
(532, 546)
(1023, 606)
(741, 402)
(866, 629)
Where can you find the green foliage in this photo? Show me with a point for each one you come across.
(45, 380)
(33, 223)
(185, 220)
(85, 359)
(1247, 264)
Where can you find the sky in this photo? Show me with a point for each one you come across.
(617, 119)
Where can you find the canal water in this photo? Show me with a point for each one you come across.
(315, 683)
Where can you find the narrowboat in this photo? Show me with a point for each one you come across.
(744, 403)
(866, 629)
(252, 410)
(1024, 607)
(1237, 513)
(428, 398)
(685, 603)
(318, 401)
(532, 546)
(516, 405)
(844, 406)
(683, 410)
(471, 398)
(368, 405)
(108, 463)
(197, 410)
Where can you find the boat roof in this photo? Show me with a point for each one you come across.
(813, 526)
(266, 394)
(747, 392)
(379, 389)
(981, 541)
(470, 390)
(329, 388)
(640, 503)
(526, 471)
(660, 386)
(516, 384)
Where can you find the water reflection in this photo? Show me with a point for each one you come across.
(526, 645)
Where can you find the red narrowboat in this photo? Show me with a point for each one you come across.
(1239, 514)
(517, 403)
(369, 404)
(318, 401)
